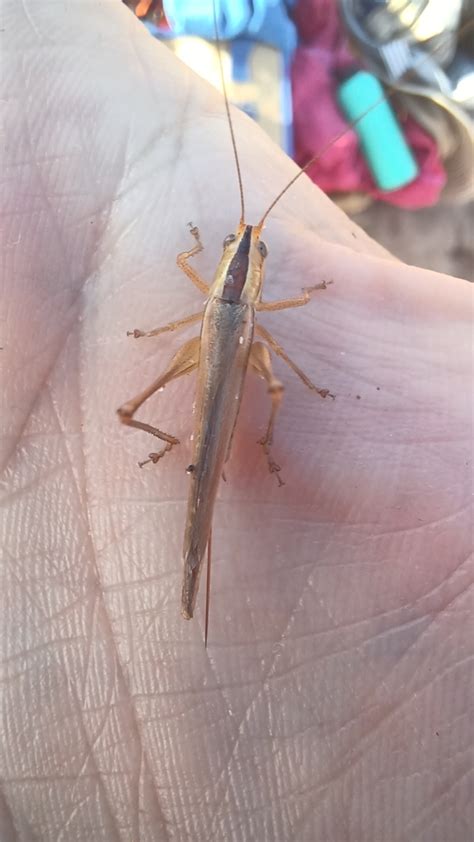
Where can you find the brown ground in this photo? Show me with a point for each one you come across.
(439, 238)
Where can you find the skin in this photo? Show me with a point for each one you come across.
(333, 701)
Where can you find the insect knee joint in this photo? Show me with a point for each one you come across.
(125, 413)
(276, 388)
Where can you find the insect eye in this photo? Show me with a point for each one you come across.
(228, 240)
(262, 248)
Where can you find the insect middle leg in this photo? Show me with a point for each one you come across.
(260, 362)
(188, 320)
(286, 303)
(184, 361)
(183, 257)
(274, 345)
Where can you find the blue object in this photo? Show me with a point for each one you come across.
(243, 24)
(266, 21)
(188, 17)
(384, 146)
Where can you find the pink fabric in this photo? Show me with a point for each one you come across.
(318, 121)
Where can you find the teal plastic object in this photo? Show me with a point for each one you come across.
(385, 149)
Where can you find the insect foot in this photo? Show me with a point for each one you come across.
(273, 466)
(194, 231)
(136, 333)
(155, 457)
(323, 393)
(308, 290)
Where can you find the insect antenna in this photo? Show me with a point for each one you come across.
(313, 160)
(321, 153)
(242, 218)
(229, 118)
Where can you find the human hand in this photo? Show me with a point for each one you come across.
(332, 700)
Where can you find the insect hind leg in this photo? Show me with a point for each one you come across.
(260, 362)
(184, 361)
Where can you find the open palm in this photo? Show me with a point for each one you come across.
(332, 701)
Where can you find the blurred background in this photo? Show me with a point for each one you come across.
(382, 91)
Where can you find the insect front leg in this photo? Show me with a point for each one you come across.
(260, 362)
(261, 331)
(183, 257)
(184, 361)
(188, 320)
